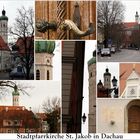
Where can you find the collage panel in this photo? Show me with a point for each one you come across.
(56, 78)
(78, 87)
(30, 106)
(27, 106)
(61, 20)
(118, 31)
(16, 40)
(127, 105)
(108, 80)
(130, 80)
(48, 60)
(118, 54)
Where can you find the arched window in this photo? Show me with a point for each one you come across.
(48, 75)
(37, 75)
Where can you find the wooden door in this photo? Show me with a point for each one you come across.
(59, 11)
(134, 119)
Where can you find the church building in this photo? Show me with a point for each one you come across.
(43, 59)
(4, 49)
(127, 105)
(16, 118)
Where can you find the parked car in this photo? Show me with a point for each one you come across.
(98, 51)
(133, 47)
(105, 52)
(113, 49)
(17, 73)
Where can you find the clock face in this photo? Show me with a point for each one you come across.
(48, 61)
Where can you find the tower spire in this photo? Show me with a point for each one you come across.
(134, 65)
(15, 94)
(137, 17)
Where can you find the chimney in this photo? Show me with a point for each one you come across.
(30, 109)
(6, 108)
(23, 108)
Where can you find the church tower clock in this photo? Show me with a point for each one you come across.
(4, 26)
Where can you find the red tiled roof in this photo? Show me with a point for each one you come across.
(125, 71)
(18, 113)
(130, 24)
(3, 45)
(20, 44)
(11, 108)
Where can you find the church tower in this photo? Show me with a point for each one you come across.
(107, 79)
(4, 26)
(15, 95)
(137, 17)
(44, 54)
(92, 93)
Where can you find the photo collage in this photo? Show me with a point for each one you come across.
(69, 66)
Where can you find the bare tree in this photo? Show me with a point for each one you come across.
(52, 109)
(23, 29)
(109, 13)
(51, 105)
(6, 85)
(135, 37)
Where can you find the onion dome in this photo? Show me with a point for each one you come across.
(107, 73)
(15, 92)
(3, 17)
(44, 47)
(100, 83)
(93, 59)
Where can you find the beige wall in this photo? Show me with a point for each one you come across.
(5, 60)
(112, 110)
(43, 65)
(92, 98)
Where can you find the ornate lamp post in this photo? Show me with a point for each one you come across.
(84, 118)
(115, 89)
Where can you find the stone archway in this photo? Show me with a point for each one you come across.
(132, 117)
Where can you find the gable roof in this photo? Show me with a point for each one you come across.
(133, 76)
(21, 45)
(3, 45)
(129, 25)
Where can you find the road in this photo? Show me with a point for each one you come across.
(4, 76)
(124, 55)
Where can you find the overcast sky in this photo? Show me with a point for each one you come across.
(38, 93)
(131, 6)
(89, 48)
(11, 6)
(113, 69)
(57, 61)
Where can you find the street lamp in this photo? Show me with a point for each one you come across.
(114, 81)
(115, 89)
(84, 118)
